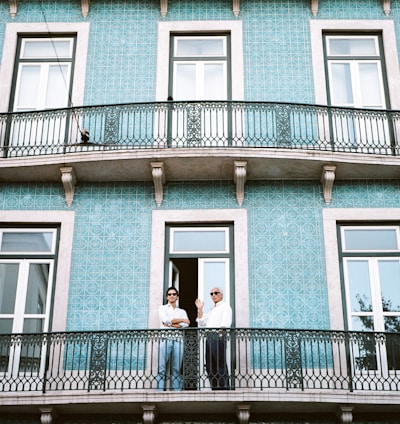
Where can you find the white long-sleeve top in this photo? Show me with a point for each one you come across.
(167, 313)
(219, 316)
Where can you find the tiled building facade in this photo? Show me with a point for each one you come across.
(284, 271)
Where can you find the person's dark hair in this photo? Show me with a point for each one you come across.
(172, 288)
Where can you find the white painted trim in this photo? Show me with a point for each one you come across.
(66, 220)
(390, 52)
(13, 30)
(239, 219)
(163, 53)
(330, 217)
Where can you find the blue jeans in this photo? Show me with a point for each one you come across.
(170, 351)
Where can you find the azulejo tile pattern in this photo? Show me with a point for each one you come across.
(111, 251)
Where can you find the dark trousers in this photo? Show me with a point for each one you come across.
(216, 367)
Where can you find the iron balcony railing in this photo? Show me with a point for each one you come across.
(258, 359)
(200, 124)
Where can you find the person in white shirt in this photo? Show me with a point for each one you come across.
(171, 349)
(220, 316)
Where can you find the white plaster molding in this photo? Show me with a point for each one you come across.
(386, 7)
(85, 7)
(68, 179)
(157, 170)
(47, 414)
(243, 413)
(13, 8)
(163, 8)
(314, 7)
(327, 179)
(149, 414)
(239, 177)
(236, 7)
(346, 414)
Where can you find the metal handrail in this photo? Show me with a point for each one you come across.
(203, 124)
(257, 358)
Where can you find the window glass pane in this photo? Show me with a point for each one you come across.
(359, 286)
(214, 81)
(370, 239)
(6, 325)
(28, 87)
(37, 289)
(363, 323)
(57, 94)
(200, 47)
(27, 242)
(370, 85)
(341, 84)
(33, 325)
(214, 276)
(199, 241)
(8, 287)
(46, 48)
(389, 276)
(185, 88)
(392, 325)
(352, 46)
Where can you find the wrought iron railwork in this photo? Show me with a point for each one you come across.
(257, 359)
(199, 125)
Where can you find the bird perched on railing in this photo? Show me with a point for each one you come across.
(85, 135)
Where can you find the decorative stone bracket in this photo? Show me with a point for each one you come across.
(385, 7)
(14, 7)
(243, 413)
(157, 170)
(47, 414)
(345, 414)
(164, 7)
(68, 179)
(149, 414)
(239, 177)
(327, 179)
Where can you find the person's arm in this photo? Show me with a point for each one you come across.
(226, 319)
(163, 317)
(201, 318)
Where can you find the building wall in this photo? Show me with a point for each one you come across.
(109, 287)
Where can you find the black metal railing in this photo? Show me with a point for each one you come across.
(257, 359)
(200, 124)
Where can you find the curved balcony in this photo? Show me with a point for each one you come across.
(321, 368)
(200, 140)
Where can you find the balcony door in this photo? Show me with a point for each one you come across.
(355, 69)
(42, 81)
(199, 71)
(199, 259)
(26, 286)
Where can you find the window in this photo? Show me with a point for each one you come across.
(371, 276)
(39, 73)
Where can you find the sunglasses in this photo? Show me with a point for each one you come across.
(172, 294)
(214, 293)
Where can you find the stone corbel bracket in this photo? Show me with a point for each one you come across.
(314, 7)
(327, 179)
(236, 7)
(149, 414)
(47, 414)
(13, 8)
(68, 179)
(345, 414)
(85, 7)
(158, 173)
(239, 177)
(385, 6)
(243, 413)
(163, 8)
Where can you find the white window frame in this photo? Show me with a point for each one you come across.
(238, 217)
(163, 51)
(386, 28)
(65, 220)
(14, 30)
